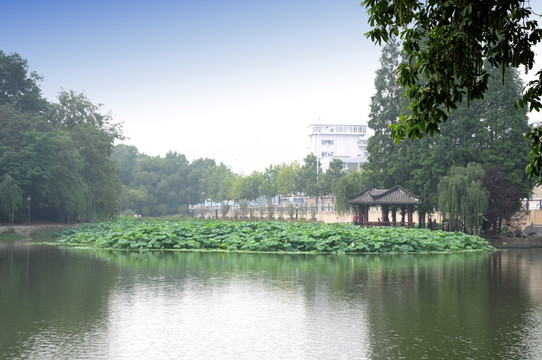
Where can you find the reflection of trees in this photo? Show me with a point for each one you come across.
(47, 288)
(411, 306)
(461, 304)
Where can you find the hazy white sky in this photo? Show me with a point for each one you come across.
(238, 81)
(234, 80)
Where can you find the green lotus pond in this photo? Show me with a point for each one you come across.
(266, 236)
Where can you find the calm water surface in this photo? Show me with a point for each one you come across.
(85, 304)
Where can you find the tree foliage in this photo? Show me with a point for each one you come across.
(351, 183)
(504, 200)
(332, 175)
(490, 132)
(307, 177)
(462, 198)
(11, 197)
(445, 44)
(18, 86)
(57, 153)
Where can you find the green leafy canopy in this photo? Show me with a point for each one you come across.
(449, 47)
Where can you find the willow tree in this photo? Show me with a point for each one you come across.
(11, 197)
(462, 198)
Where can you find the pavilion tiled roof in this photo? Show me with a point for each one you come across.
(396, 195)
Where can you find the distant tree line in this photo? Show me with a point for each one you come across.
(158, 186)
(55, 158)
(60, 159)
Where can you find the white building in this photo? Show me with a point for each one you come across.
(345, 142)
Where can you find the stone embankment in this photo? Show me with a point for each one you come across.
(28, 229)
(514, 241)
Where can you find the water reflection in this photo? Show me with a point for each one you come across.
(98, 304)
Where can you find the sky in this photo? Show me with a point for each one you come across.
(233, 80)
(238, 81)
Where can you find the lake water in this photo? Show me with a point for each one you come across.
(84, 304)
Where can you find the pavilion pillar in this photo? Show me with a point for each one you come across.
(385, 211)
(410, 215)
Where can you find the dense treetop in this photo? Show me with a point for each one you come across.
(450, 49)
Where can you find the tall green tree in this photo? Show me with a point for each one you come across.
(462, 198)
(18, 86)
(167, 185)
(200, 172)
(11, 197)
(332, 176)
(59, 153)
(46, 164)
(219, 183)
(100, 171)
(250, 186)
(125, 157)
(73, 109)
(504, 200)
(351, 183)
(308, 176)
(286, 180)
(269, 187)
(385, 109)
(490, 132)
(445, 44)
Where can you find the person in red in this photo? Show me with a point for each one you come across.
(356, 219)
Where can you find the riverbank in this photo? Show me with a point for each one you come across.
(500, 241)
(26, 230)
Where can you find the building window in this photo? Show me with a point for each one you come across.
(327, 142)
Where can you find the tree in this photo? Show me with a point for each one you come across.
(219, 183)
(133, 199)
(200, 170)
(286, 179)
(46, 164)
(307, 177)
(250, 186)
(332, 176)
(351, 183)
(59, 153)
(100, 171)
(14, 123)
(445, 44)
(93, 135)
(504, 199)
(385, 110)
(269, 186)
(18, 87)
(11, 197)
(75, 109)
(462, 198)
(125, 157)
(490, 132)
